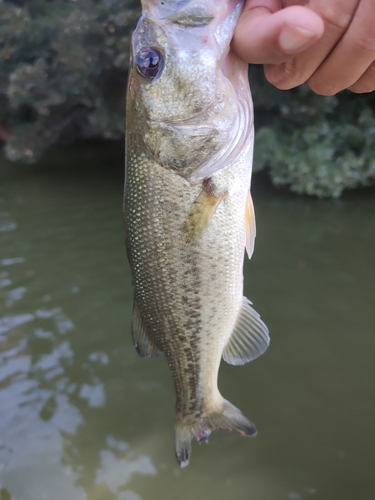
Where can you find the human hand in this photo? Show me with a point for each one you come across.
(330, 44)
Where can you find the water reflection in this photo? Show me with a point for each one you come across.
(52, 367)
(6, 224)
(81, 417)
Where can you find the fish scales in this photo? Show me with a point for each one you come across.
(175, 279)
(186, 231)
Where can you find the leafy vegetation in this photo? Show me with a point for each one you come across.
(63, 70)
(313, 144)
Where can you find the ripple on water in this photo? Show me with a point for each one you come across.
(15, 294)
(116, 473)
(12, 261)
(5, 282)
(7, 223)
(7, 323)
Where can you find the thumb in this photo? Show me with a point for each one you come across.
(263, 37)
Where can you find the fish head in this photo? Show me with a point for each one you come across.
(185, 84)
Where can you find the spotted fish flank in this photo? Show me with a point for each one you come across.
(187, 208)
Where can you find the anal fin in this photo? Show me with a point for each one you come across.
(249, 339)
(141, 340)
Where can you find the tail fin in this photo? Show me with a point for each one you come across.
(228, 418)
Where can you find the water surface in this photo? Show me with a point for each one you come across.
(82, 417)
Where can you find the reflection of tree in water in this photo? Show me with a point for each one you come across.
(68, 371)
(99, 450)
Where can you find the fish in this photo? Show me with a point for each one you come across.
(188, 211)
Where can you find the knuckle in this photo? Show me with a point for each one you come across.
(362, 88)
(366, 83)
(336, 14)
(320, 87)
(371, 70)
(365, 42)
(284, 76)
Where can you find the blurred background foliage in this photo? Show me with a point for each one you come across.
(63, 66)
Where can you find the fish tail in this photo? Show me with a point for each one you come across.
(228, 418)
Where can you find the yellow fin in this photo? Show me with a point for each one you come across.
(200, 214)
(250, 225)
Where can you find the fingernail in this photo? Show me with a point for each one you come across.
(293, 38)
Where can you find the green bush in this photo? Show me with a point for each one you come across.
(313, 144)
(63, 67)
(63, 70)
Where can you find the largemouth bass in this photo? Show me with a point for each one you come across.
(187, 206)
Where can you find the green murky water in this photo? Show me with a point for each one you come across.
(82, 417)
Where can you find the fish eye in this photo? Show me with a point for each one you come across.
(148, 62)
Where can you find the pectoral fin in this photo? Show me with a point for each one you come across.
(250, 225)
(199, 216)
(249, 339)
(141, 341)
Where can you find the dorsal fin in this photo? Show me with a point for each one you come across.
(249, 339)
(250, 225)
(140, 338)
